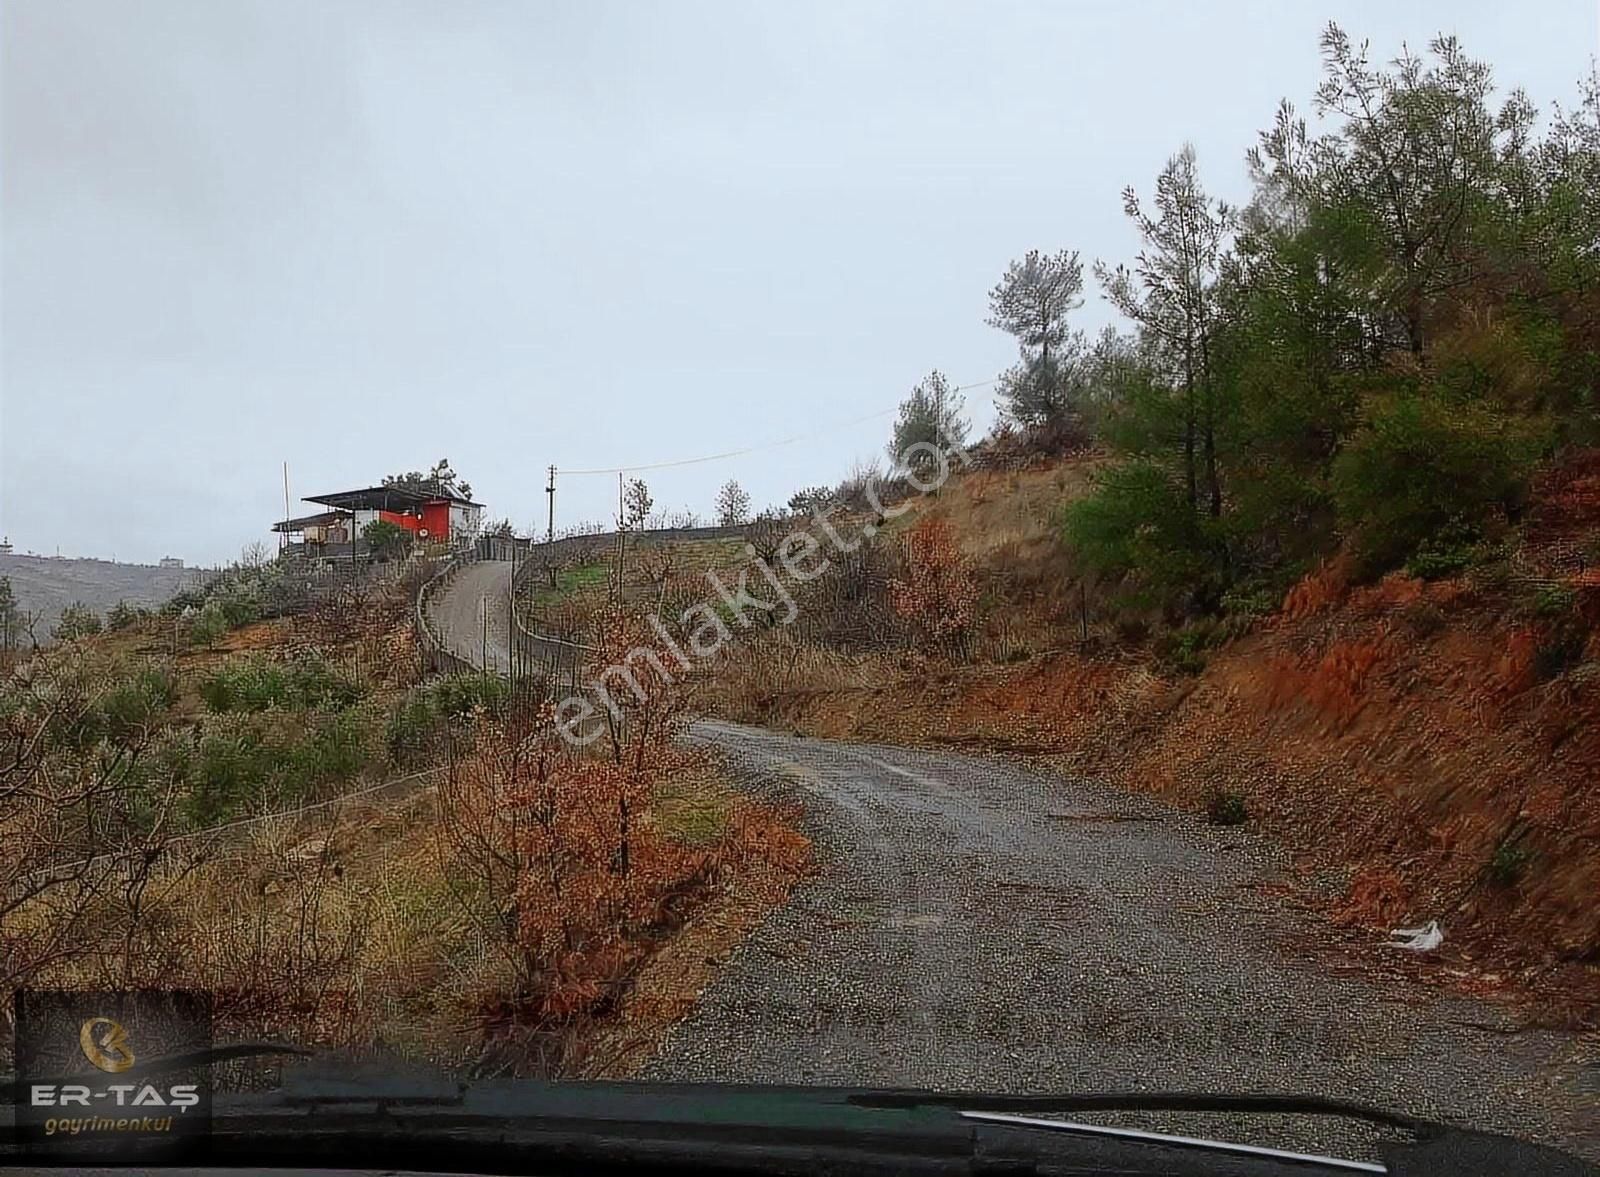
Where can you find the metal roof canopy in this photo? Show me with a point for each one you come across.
(389, 498)
(306, 521)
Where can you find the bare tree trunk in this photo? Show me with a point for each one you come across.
(1213, 477)
(1189, 471)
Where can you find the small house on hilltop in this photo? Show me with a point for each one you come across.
(437, 513)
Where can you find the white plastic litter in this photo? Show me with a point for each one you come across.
(1423, 939)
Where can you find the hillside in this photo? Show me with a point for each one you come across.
(48, 584)
(1426, 748)
(283, 785)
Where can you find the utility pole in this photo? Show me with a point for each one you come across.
(283, 544)
(511, 618)
(550, 533)
(622, 537)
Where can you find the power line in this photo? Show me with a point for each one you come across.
(768, 445)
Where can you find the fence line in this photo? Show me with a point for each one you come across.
(238, 829)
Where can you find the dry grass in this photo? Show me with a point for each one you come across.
(355, 932)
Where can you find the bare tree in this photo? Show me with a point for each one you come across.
(658, 564)
(765, 534)
(733, 504)
(76, 824)
(636, 504)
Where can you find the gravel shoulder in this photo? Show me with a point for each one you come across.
(976, 924)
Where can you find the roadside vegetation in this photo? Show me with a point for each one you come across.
(184, 804)
(1309, 543)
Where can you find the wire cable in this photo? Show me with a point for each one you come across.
(768, 445)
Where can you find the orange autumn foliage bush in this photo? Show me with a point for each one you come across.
(559, 852)
(939, 594)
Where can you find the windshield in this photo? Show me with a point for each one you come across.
(1029, 548)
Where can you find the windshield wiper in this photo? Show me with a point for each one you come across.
(1150, 1101)
(1433, 1150)
(387, 1119)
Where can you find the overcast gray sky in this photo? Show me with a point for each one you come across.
(358, 236)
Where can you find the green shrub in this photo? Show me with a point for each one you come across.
(123, 615)
(245, 763)
(335, 750)
(412, 728)
(1553, 600)
(259, 683)
(459, 696)
(1184, 649)
(1420, 466)
(137, 705)
(191, 598)
(1251, 600)
(209, 625)
(387, 540)
(238, 607)
(230, 772)
(1225, 808)
(77, 621)
(1138, 523)
(1508, 863)
(113, 703)
(1448, 552)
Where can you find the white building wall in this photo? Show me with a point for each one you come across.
(465, 521)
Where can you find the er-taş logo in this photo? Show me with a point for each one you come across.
(105, 1044)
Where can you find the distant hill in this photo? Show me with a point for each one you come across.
(50, 584)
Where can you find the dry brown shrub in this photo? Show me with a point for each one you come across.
(938, 594)
(560, 859)
(1394, 591)
(1319, 590)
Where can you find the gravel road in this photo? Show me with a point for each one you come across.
(975, 924)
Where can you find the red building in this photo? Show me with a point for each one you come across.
(435, 514)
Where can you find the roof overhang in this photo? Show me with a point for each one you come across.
(323, 520)
(387, 498)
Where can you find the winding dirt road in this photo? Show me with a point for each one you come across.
(978, 924)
